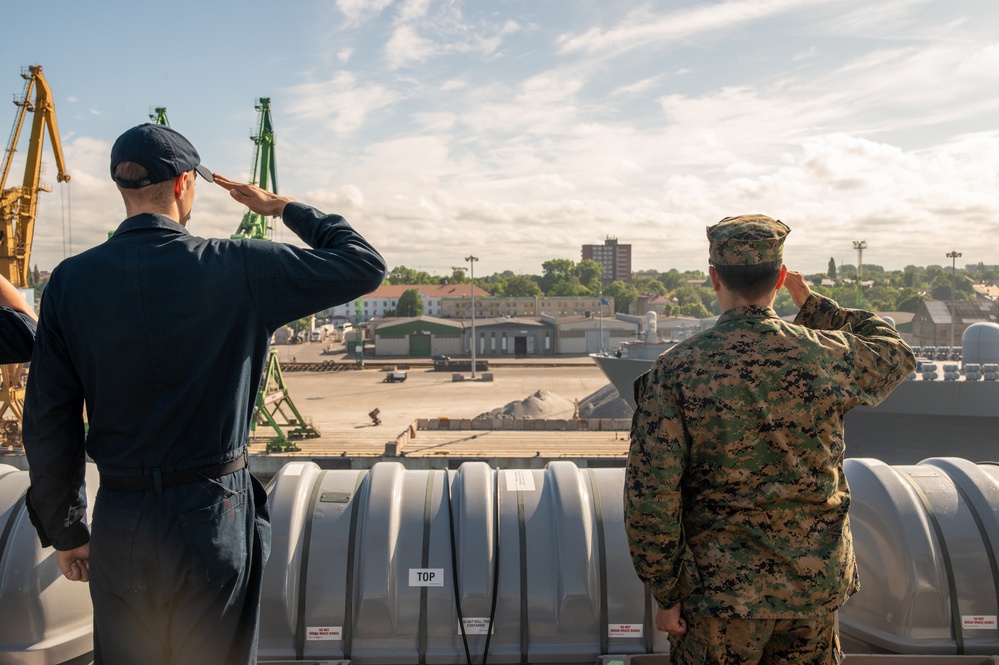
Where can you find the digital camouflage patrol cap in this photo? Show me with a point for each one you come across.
(747, 240)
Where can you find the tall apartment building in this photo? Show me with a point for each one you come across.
(615, 258)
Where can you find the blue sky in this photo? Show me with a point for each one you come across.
(519, 130)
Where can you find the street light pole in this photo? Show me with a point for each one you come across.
(953, 256)
(860, 246)
(600, 314)
(471, 266)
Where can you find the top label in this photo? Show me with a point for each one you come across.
(426, 577)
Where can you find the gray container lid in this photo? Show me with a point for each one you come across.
(925, 539)
(53, 619)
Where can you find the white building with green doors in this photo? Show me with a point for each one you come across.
(418, 337)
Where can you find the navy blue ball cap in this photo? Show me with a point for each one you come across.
(162, 151)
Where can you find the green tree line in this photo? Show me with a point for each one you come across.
(690, 293)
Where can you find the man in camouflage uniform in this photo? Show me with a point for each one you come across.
(735, 497)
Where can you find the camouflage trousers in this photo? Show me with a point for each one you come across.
(711, 641)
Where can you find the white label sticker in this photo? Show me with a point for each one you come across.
(426, 577)
(624, 630)
(476, 625)
(519, 479)
(324, 633)
(982, 622)
(294, 469)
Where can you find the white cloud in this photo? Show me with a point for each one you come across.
(357, 11)
(406, 46)
(839, 188)
(412, 10)
(435, 123)
(807, 54)
(341, 104)
(343, 55)
(424, 30)
(885, 19)
(638, 87)
(78, 214)
(643, 27)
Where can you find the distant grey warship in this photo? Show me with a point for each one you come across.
(947, 407)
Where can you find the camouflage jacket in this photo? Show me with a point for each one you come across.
(735, 497)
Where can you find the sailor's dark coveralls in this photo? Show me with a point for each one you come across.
(163, 337)
(17, 335)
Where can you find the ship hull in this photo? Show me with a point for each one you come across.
(919, 419)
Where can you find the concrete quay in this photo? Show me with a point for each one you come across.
(338, 404)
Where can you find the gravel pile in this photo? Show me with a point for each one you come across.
(604, 403)
(542, 404)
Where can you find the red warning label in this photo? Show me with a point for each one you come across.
(330, 633)
(624, 630)
(979, 622)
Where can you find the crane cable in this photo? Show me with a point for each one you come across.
(66, 205)
(62, 203)
(69, 215)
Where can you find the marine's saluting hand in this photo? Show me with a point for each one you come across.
(797, 287)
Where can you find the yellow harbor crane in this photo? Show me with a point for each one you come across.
(18, 207)
(19, 204)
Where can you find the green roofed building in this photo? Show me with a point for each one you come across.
(419, 337)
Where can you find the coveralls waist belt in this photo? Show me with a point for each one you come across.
(187, 476)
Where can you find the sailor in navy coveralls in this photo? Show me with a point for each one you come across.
(162, 337)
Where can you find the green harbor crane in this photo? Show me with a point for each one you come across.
(274, 407)
(264, 173)
(158, 116)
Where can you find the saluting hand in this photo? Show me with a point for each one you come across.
(256, 199)
(797, 287)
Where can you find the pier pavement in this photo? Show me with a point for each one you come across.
(338, 404)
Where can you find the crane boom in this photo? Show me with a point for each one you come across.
(264, 173)
(18, 205)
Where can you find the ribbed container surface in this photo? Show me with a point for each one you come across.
(44, 618)
(925, 536)
(361, 566)
(375, 567)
